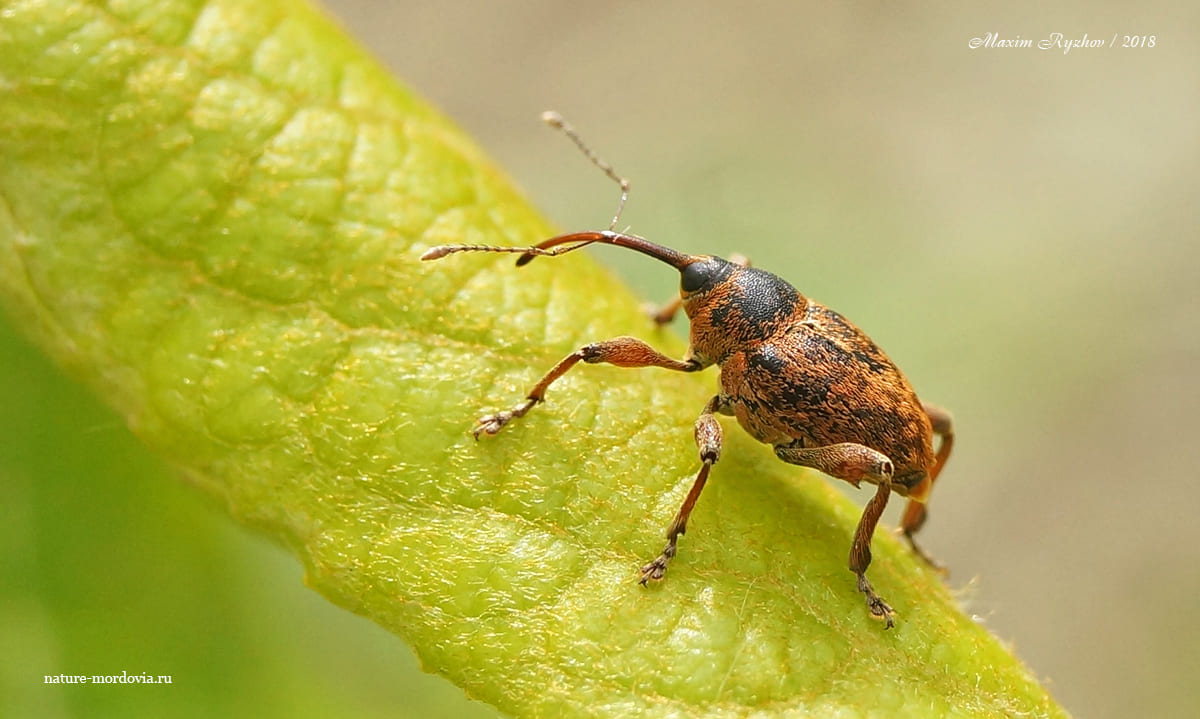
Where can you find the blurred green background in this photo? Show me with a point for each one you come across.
(1016, 227)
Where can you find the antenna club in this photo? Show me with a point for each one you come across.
(436, 253)
(553, 119)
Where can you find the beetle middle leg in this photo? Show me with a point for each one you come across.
(709, 439)
(853, 463)
(915, 513)
(622, 352)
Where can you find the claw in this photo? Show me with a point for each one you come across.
(491, 424)
(655, 570)
(879, 608)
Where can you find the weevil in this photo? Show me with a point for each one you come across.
(795, 374)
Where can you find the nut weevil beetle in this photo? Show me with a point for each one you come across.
(795, 374)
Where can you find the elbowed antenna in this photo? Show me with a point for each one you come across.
(555, 120)
(550, 248)
(546, 248)
(440, 251)
(678, 260)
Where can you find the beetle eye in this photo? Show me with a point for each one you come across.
(697, 275)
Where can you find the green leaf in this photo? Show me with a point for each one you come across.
(212, 212)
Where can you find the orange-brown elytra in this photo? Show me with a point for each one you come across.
(795, 374)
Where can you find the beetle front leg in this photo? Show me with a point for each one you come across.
(622, 352)
(915, 512)
(854, 463)
(709, 440)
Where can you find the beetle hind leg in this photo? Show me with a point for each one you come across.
(916, 509)
(860, 554)
(915, 512)
(854, 463)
